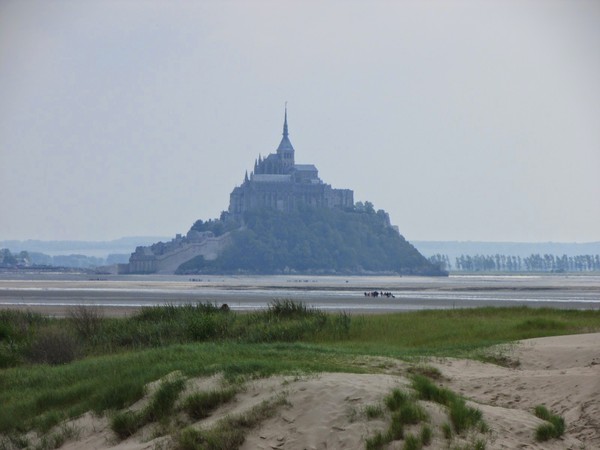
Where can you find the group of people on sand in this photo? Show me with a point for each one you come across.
(379, 294)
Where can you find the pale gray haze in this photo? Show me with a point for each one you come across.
(464, 120)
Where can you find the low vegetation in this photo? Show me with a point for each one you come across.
(554, 426)
(229, 433)
(461, 416)
(200, 404)
(404, 410)
(160, 407)
(104, 364)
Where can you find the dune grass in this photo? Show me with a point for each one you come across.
(554, 426)
(160, 407)
(461, 416)
(229, 433)
(405, 410)
(200, 404)
(122, 355)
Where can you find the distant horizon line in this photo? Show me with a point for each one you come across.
(169, 237)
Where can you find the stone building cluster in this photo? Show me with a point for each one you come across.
(278, 182)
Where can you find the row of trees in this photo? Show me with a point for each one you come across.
(35, 259)
(8, 259)
(508, 263)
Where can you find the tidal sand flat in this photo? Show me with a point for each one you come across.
(55, 294)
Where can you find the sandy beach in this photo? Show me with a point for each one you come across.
(326, 411)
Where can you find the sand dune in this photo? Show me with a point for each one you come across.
(326, 411)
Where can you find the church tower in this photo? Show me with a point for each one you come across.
(285, 151)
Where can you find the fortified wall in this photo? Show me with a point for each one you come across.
(165, 258)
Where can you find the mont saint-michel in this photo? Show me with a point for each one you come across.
(283, 218)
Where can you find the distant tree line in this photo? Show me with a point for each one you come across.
(508, 263)
(35, 259)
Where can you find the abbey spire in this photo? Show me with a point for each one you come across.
(285, 128)
(285, 149)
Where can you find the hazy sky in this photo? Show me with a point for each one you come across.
(473, 120)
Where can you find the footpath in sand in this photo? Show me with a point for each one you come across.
(326, 411)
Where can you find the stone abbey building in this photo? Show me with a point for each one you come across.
(278, 182)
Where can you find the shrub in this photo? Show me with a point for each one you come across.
(86, 320)
(6, 331)
(341, 324)
(202, 327)
(54, 346)
(9, 354)
(285, 308)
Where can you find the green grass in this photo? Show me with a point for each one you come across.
(122, 355)
(228, 433)
(31, 394)
(426, 435)
(200, 404)
(404, 411)
(396, 399)
(411, 442)
(160, 408)
(411, 413)
(461, 331)
(428, 390)
(554, 426)
(376, 442)
(374, 411)
(461, 416)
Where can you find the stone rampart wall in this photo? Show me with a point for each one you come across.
(210, 248)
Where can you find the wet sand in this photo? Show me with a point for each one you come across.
(57, 294)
